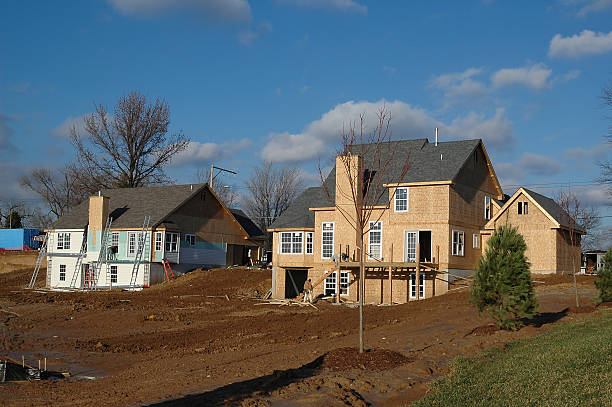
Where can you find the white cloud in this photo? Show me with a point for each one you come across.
(589, 6)
(534, 76)
(587, 157)
(6, 133)
(586, 43)
(198, 153)
(528, 164)
(250, 35)
(63, 130)
(341, 5)
(321, 136)
(460, 85)
(216, 10)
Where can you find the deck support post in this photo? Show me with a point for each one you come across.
(418, 270)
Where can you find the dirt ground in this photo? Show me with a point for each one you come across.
(184, 343)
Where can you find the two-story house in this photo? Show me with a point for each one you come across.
(185, 225)
(437, 210)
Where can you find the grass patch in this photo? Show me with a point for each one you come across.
(569, 366)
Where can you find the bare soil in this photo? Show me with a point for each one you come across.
(203, 340)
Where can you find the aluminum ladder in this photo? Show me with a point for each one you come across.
(142, 240)
(103, 255)
(79, 263)
(41, 257)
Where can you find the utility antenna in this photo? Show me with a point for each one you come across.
(212, 170)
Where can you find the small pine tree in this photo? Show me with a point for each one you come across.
(604, 285)
(502, 283)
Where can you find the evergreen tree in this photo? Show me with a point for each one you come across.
(502, 284)
(13, 220)
(604, 285)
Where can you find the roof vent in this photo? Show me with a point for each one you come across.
(436, 137)
(440, 157)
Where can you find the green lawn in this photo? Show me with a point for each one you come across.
(569, 366)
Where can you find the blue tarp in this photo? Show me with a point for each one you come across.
(18, 239)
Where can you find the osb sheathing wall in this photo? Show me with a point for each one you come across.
(568, 251)
(204, 216)
(537, 230)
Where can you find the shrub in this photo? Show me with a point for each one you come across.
(502, 284)
(604, 285)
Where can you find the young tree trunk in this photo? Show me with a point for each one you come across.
(361, 289)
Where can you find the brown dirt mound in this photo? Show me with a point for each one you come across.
(484, 330)
(607, 304)
(372, 359)
(582, 309)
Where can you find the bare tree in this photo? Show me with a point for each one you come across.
(270, 192)
(226, 192)
(365, 184)
(606, 166)
(129, 148)
(60, 190)
(579, 219)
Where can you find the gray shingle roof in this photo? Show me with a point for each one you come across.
(247, 224)
(128, 206)
(553, 209)
(428, 162)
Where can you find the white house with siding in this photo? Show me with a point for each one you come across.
(189, 227)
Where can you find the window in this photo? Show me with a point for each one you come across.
(487, 207)
(62, 273)
(309, 242)
(523, 208)
(291, 242)
(190, 240)
(401, 200)
(63, 241)
(172, 242)
(327, 240)
(286, 242)
(132, 244)
(458, 239)
(520, 208)
(115, 239)
(113, 274)
(413, 285)
(158, 241)
(375, 240)
(475, 241)
(331, 286)
(344, 282)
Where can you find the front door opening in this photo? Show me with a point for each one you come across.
(425, 245)
(294, 282)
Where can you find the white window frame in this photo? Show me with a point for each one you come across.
(172, 242)
(62, 272)
(297, 242)
(345, 281)
(190, 239)
(458, 245)
(129, 253)
(333, 238)
(487, 207)
(525, 208)
(285, 243)
(63, 241)
(115, 239)
(475, 241)
(113, 274)
(372, 231)
(330, 284)
(309, 242)
(421, 285)
(405, 200)
(159, 241)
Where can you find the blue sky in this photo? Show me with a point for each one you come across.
(276, 79)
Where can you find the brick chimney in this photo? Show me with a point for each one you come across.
(98, 214)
